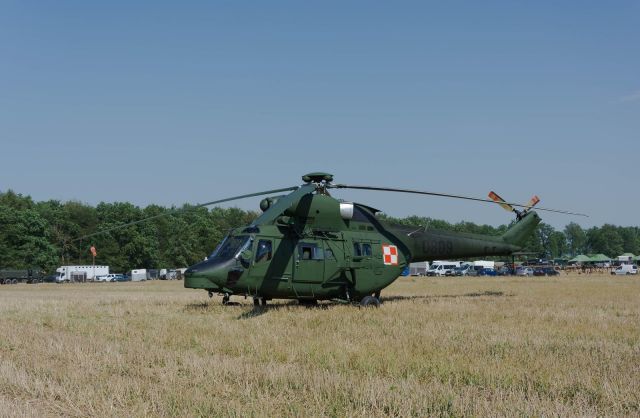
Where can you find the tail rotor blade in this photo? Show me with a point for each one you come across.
(534, 201)
(494, 196)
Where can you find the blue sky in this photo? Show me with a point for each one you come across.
(160, 102)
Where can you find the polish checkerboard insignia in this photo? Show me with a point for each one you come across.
(390, 255)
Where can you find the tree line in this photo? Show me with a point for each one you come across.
(43, 234)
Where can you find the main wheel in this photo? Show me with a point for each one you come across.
(14, 281)
(370, 301)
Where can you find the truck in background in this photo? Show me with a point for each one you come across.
(14, 276)
(68, 274)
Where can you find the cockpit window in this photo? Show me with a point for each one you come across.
(263, 252)
(230, 247)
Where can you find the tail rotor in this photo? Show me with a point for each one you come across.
(520, 213)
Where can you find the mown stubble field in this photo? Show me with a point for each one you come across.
(567, 346)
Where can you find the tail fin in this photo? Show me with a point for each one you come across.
(522, 230)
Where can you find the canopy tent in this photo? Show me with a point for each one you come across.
(580, 259)
(600, 258)
(626, 257)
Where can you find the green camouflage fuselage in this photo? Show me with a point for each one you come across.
(315, 252)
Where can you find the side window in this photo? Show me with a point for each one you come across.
(357, 250)
(329, 254)
(264, 251)
(366, 250)
(307, 251)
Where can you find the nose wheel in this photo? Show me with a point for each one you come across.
(225, 299)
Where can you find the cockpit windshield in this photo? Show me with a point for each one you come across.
(230, 247)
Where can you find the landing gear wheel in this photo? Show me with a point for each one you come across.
(210, 294)
(14, 281)
(7, 281)
(370, 302)
(225, 299)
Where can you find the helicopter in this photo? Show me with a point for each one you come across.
(309, 246)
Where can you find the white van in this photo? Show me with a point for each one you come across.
(442, 268)
(626, 269)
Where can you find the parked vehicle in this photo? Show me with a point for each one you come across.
(524, 271)
(107, 277)
(545, 271)
(487, 272)
(10, 276)
(138, 275)
(440, 268)
(66, 274)
(466, 270)
(484, 264)
(626, 269)
(122, 278)
(505, 271)
(418, 269)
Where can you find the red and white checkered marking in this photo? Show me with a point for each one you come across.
(390, 255)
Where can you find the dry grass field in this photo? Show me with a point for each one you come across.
(567, 346)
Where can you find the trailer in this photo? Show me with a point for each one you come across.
(14, 276)
(484, 264)
(419, 269)
(67, 274)
(138, 275)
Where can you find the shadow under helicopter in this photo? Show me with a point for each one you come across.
(261, 310)
(486, 293)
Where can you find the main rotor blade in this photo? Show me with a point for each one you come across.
(453, 196)
(282, 204)
(175, 211)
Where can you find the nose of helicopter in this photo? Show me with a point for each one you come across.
(204, 276)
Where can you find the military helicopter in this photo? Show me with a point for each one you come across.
(309, 246)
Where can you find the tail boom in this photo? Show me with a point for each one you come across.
(430, 244)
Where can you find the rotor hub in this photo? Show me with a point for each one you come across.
(320, 180)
